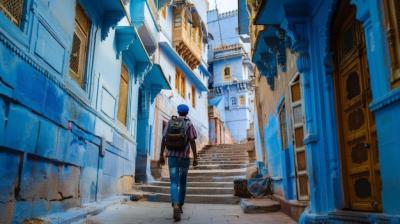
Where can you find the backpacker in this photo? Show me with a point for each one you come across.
(176, 137)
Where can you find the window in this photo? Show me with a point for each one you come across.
(78, 58)
(164, 12)
(227, 74)
(242, 101)
(123, 96)
(180, 83)
(392, 22)
(178, 18)
(298, 139)
(13, 9)
(233, 101)
(193, 96)
(283, 126)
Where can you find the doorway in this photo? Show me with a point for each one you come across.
(357, 132)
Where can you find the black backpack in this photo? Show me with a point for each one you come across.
(176, 137)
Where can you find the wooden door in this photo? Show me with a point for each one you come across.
(357, 130)
(296, 98)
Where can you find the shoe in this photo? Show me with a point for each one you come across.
(177, 213)
(181, 209)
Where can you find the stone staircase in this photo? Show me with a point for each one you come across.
(211, 181)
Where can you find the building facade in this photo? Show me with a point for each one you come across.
(327, 97)
(70, 76)
(182, 55)
(231, 68)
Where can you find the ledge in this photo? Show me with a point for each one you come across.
(183, 66)
(385, 101)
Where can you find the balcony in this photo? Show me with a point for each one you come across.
(144, 15)
(187, 36)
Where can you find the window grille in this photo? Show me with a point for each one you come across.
(79, 48)
(13, 9)
(123, 96)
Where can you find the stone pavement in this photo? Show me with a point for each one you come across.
(144, 212)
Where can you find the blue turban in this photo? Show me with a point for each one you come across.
(183, 108)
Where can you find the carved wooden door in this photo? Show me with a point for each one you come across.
(357, 130)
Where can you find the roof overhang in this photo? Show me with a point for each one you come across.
(156, 77)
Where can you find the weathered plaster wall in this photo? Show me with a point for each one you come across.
(280, 162)
(60, 146)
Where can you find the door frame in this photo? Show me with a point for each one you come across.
(347, 64)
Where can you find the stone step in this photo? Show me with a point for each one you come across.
(224, 150)
(222, 157)
(219, 155)
(220, 166)
(196, 184)
(216, 161)
(203, 199)
(209, 179)
(259, 205)
(203, 162)
(217, 173)
(189, 190)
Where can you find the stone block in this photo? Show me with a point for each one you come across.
(125, 184)
(156, 170)
(74, 153)
(69, 181)
(43, 179)
(3, 108)
(54, 102)
(8, 175)
(31, 86)
(47, 145)
(259, 205)
(8, 66)
(21, 130)
(7, 210)
(88, 184)
(91, 157)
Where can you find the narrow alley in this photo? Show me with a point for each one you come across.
(199, 111)
(210, 194)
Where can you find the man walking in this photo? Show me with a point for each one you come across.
(179, 137)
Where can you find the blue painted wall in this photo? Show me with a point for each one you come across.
(321, 139)
(61, 146)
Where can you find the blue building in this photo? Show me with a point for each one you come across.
(70, 76)
(231, 68)
(182, 55)
(329, 133)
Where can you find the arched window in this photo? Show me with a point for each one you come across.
(227, 74)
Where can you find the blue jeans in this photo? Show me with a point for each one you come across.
(178, 170)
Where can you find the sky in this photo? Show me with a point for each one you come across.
(224, 5)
